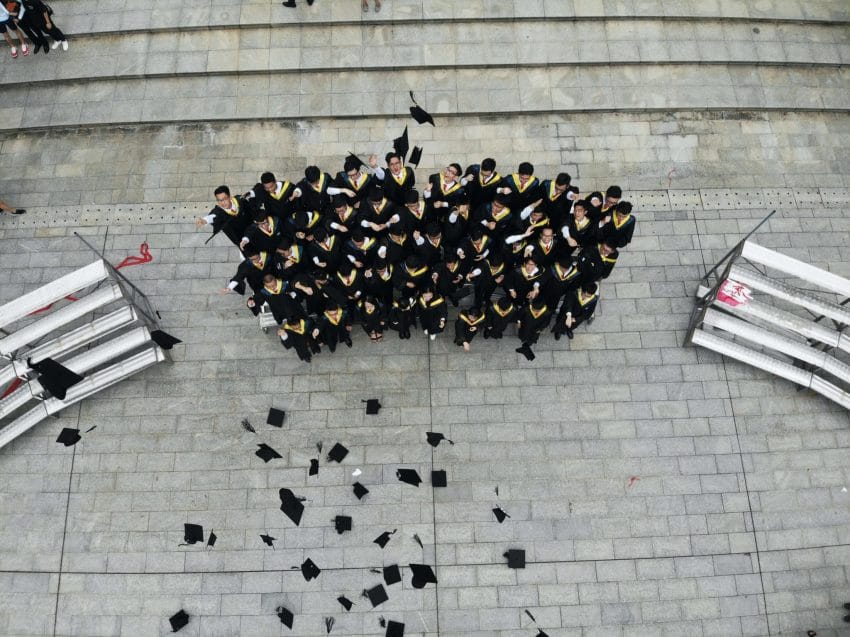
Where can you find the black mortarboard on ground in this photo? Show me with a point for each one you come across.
(500, 514)
(422, 574)
(193, 533)
(55, 377)
(373, 406)
(395, 629)
(329, 624)
(314, 467)
(346, 603)
(525, 350)
(266, 453)
(69, 437)
(309, 570)
(291, 506)
(401, 145)
(360, 490)
(383, 538)
(285, 615)
(268, 539)
(392, 574)
(435, 438)
(275, 417)
(342, 523)
(516, 558)
(355, 159)
(337, 453)
(409, 476)
(164, 339)
(211, 540)
(420, 114)
(247, 426)
(178, 620)
(438, 478)
(377, 595)
(415, 156)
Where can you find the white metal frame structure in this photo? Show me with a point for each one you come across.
(103, 349)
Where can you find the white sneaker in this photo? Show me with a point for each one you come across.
(64, 45)
(426, 332)
(433, 337)
(55, 45)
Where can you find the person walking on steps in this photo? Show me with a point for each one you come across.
(7, 23)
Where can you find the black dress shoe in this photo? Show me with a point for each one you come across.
(36, 49)
(569, 333)
(557, 336)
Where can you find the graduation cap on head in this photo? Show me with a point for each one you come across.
(291, 506)
(415, 156)
(420, 114)
(500, 514)
(55, 377)
(409, 476)
(275, 417)
(422, 575)
(164, 339)
(314, 467)
(337, 453)
(516, 558)
(309, 570)
(346, 603)
(394, 629)
(266, 453)
(377, 595)
(438, 478)
(178, 620)
(392, 574)
(211, 540)
(360, 490)
(401, 145)
(69, 437)
(435, 438)
(285, 615)
(268, 539)
(373, 406)
(193, 533)
(342, 523)
(383, 538)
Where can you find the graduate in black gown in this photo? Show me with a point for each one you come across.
(533, 319)
(251, 270)
(468, 324)
(500, 313)
(296, 333)
(315, 191)
(272, 197)
(618, 227)
(522, 187)
(397, 180)
(402, 316)
(333, 326)
(481, 182)
(372, 317)
(578, 307)
(433, 312)
(231, 215)
(276, 292)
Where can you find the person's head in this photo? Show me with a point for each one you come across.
(547, 234)
(345, 268)
(589, 288)
(477, 236)
(222, 196)
(580, 209)
(562, 182)
(504, 303)
(339, 203)
(331, 307)
(427, 294)
(251, 252)
(451, 258)
(263, 221)
(613, 196)
(312, 174)
(413, 262)
(369, 303)
(411, 199)
(268, 280)
(320, 235)
(285, 246)
(394, 163)
(380, 265)
(453, 171)
(538, 303)
(473, 312)
(433, 230)
(529, 264)
(623, 208)
(351, 167)
(500, 202)
(397, 230)
(488, 167)
(537, 214)
(269, 182)
(376, 196)
(606, 249)
(525, 171)
(358, 237)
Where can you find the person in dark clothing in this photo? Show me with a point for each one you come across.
(402, 316)
(231, 216)
(332, 327)
(432, 313)
(533, 319)
(578, 307)
(296, 333)
(467, 325)
(618, 228)
(501, 312)
(36, 19)
(372, 317)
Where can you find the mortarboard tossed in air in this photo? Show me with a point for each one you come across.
(354, 159)
(309, 570)
(401, 145)
(266, 453)
(420, 114)
(342, 523)
(415, 156)
(422, 575)
(285, 615)
(337, 453)
(435, 438)
(500, 514)
(314, 467)
(55, 377)
(193, 533)
(268, 539)
(373, 406)
(164, 339)
(292, 506)
(360, 490)
(247, 426)
(383, 538)
(69, 437)
(211, 540)
(377, 595)
(346, 603)
(438, 478)
(516, 558)
(178, 620)
(392, 574)
(409, 476)
(275, 417)
(394, 629)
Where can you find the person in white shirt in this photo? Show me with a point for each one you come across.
(7, 23)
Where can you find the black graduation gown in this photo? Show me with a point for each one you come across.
(361, 188)
(521, 197)
(485, 283)
(276, 205)
(352, 287)
(287, 267)
(466, 327)
(417, 220)
(432, 314)
(315, 198)
(280, 300)
(449, 282)
(333, 329)
(585, 234)
(497, 320)
(349, 220)
(374, 321)
(452, 195)
(251, 273)
(232, 223)
(580, 308)
(395, 189)
(328, 254)
(455, 231)
(481, 192)
(559, 282)
(545, 256)
(497, 225)
(299, 338)
(381, 284)
(472, 255)
(263, 240)
(619, 234)
(380, 215)
(402, 317)
(411, 281)
(430, 253)
(522, 283)
(555, 204)
(363, 254)
(397, 249)
(532, 323)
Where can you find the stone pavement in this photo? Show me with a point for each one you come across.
(657, 490)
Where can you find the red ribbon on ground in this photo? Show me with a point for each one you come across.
(12, 387)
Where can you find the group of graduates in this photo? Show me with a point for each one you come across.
(367, 247)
